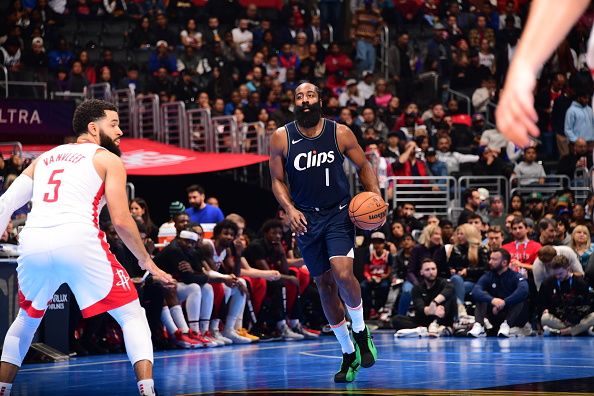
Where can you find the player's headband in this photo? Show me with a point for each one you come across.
(189, 235)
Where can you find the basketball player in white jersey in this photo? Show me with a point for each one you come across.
(62, 242)
(548, 23)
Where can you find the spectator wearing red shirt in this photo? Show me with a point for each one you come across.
(337, 61)
(523, 251)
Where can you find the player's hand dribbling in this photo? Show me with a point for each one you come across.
(298, 222)
(515, 114)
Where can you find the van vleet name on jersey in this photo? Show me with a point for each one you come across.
(312, 159)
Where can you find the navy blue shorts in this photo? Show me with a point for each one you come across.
(330, 233)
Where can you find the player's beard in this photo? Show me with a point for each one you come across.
(308, 119)
(107, 143)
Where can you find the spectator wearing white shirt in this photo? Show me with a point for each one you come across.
(452, 159)
(366, 86)
(351, 94)
(529, 171)
(482, 95)
(243, 37)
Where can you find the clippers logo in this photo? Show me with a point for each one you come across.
(312, 159)
(124, 279)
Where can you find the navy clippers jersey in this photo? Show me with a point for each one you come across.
(314, 168)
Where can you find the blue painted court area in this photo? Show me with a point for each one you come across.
(422, 364)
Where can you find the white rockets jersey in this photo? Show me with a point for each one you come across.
(217, 258)
(66, 187)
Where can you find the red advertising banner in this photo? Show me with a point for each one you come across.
(148, 158)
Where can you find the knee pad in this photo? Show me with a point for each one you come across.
(137, 334)
(18, 338)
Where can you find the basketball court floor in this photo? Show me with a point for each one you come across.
(460, 366)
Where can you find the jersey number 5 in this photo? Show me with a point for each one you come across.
(56, 182)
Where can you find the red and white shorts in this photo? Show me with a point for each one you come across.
(78, 255)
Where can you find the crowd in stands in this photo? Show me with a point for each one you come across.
(508, 268)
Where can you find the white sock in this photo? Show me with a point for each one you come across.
(341, 331)
(236, 305)
(293, 323)
(146, 387)
(356, 315)
(239, 323)
(281, 324)
(178, 318)
(206, 306)
(214, 324)
(167, 321)
(204, 323)
(5, 389)
(193, 303)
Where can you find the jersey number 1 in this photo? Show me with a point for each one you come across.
(327, 177)
(56, 183)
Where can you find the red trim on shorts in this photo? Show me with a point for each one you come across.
(122, 290)
(27, 306)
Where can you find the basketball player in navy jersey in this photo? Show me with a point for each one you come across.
(311, 151)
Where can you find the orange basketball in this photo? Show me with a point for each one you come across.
(368, 210)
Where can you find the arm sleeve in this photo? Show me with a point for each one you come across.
(418, 302)
(17, 195)
(220, 215)
(569, 122)
(520, 294)
(448, 290)
(539, 272)
(479, 293)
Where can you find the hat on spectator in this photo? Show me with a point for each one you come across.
(188, 235)
(484, 193)
(366, 73)
(378, 236)
(351, 81)
(438, 26)
(399, 134)
(162, 42)
(563, 201)
(535, 196)
(563, 211)
(430, 152)
(37, 41)
(176, 207)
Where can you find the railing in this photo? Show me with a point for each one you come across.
(76, 96)
(552, 184)
(174, 124)
(460, 95)
(490, 116)
(249, 137)
(130, 191)
(427, 192)
(124, 100)
(496, 185)
(147, 120)
(224, 130)
(199, 136)
(6, 83)
(384, 46)
(99, 91)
